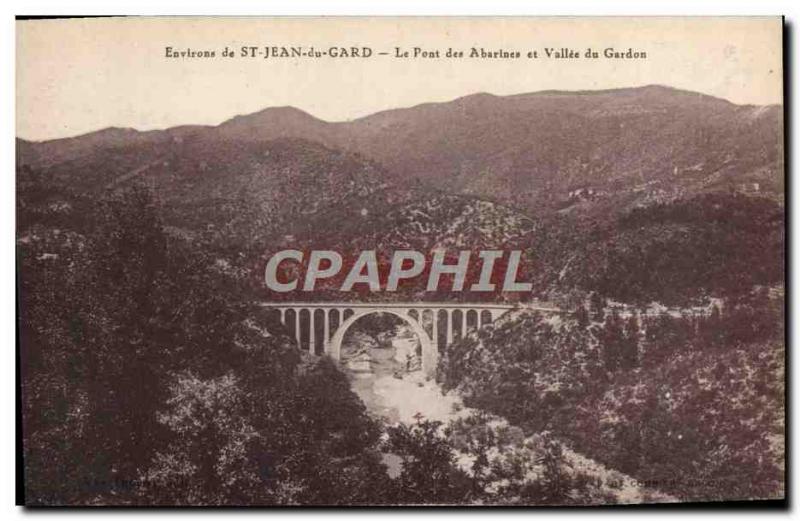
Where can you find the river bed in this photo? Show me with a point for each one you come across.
(394, 394)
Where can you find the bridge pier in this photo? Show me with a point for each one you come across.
(297, 328)
(449, 337)
(326, 333)
(312, 341)
(435, 329)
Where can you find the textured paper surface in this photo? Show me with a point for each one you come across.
(401, 261)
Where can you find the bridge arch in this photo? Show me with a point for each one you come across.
(429, 350)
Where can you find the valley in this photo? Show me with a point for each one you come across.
(142, 257)
(397, 392)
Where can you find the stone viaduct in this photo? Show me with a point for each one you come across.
(320, 327)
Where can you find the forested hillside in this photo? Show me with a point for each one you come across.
(654, 218)
(148, 379)
(690, 405)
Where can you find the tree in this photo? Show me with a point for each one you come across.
(597, 306)
(474, 436)
(556, 483)
(582, 315)
(712, 329)
(376, 324)
(629, 356)
(612, 341)
(429, 474)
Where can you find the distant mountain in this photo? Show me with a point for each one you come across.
(545, 152)
(557, 150)
(278, 122)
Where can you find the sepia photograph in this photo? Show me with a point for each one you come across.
(400, 261)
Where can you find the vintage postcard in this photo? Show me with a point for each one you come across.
(400, 261)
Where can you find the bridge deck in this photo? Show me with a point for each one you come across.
(414, 305)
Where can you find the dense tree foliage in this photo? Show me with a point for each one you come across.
(690, 404)
(672, 252)
(148, 379)
(429, 474)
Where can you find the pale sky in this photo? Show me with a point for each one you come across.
(77, 76)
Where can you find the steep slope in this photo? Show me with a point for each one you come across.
(243, 200)
(549, 150)
(670, 252)
(702, 421)
(631, 192)
(239, 189)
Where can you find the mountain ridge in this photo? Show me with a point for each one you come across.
(580, 92)
(584, 154)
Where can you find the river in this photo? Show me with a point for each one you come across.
(394, 394)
